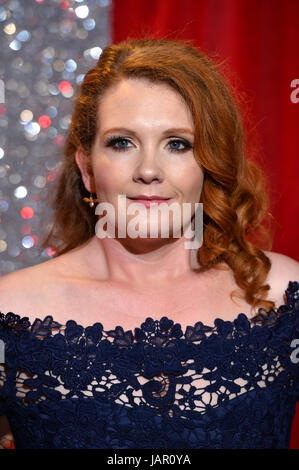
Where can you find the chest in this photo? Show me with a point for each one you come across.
(118, 306)
(131, 313)
(115, 305)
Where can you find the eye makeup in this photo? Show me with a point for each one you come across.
(114, 140)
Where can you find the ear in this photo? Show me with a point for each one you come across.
(84, 165)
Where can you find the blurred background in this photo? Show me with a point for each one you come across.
(48, 45)
(46, 48)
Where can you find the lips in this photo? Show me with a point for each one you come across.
(148, 201)
(149, 198)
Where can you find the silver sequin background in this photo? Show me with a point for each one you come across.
(46, 48)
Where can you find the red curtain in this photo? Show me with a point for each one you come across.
(258, 41)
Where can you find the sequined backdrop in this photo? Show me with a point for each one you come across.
(46, 48)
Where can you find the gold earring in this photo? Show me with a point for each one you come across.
(90, 200)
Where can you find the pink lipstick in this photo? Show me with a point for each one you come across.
(149, 200)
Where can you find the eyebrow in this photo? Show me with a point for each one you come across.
(167, 131)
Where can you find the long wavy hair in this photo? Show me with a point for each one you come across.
(235, 191)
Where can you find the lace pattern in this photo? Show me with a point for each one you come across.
(180, 387)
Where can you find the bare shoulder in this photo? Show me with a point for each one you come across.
(38, 290)
(22, 289)
(283, 269)
(38, 275)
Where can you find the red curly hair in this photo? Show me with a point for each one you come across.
(234, 195)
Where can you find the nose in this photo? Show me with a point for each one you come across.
(147, 168)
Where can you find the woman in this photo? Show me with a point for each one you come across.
(134, 342)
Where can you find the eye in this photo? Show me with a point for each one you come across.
(186, 145)
(119, 144)
(112, 141)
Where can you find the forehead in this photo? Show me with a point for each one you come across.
(134, 99)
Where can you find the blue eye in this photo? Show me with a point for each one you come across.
(186, 145)
(116, 140)
(121, 141)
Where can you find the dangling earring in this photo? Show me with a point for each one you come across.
(90, 200)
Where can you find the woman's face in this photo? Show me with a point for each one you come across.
(143, 146)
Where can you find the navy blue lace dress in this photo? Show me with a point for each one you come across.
(232, 385)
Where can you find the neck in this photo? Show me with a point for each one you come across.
(148, 263)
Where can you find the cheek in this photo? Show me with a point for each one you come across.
(196, 181)
(190, 183)
(108, 179)
(196, 186)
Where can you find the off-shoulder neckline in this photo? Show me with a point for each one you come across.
(19, 322)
